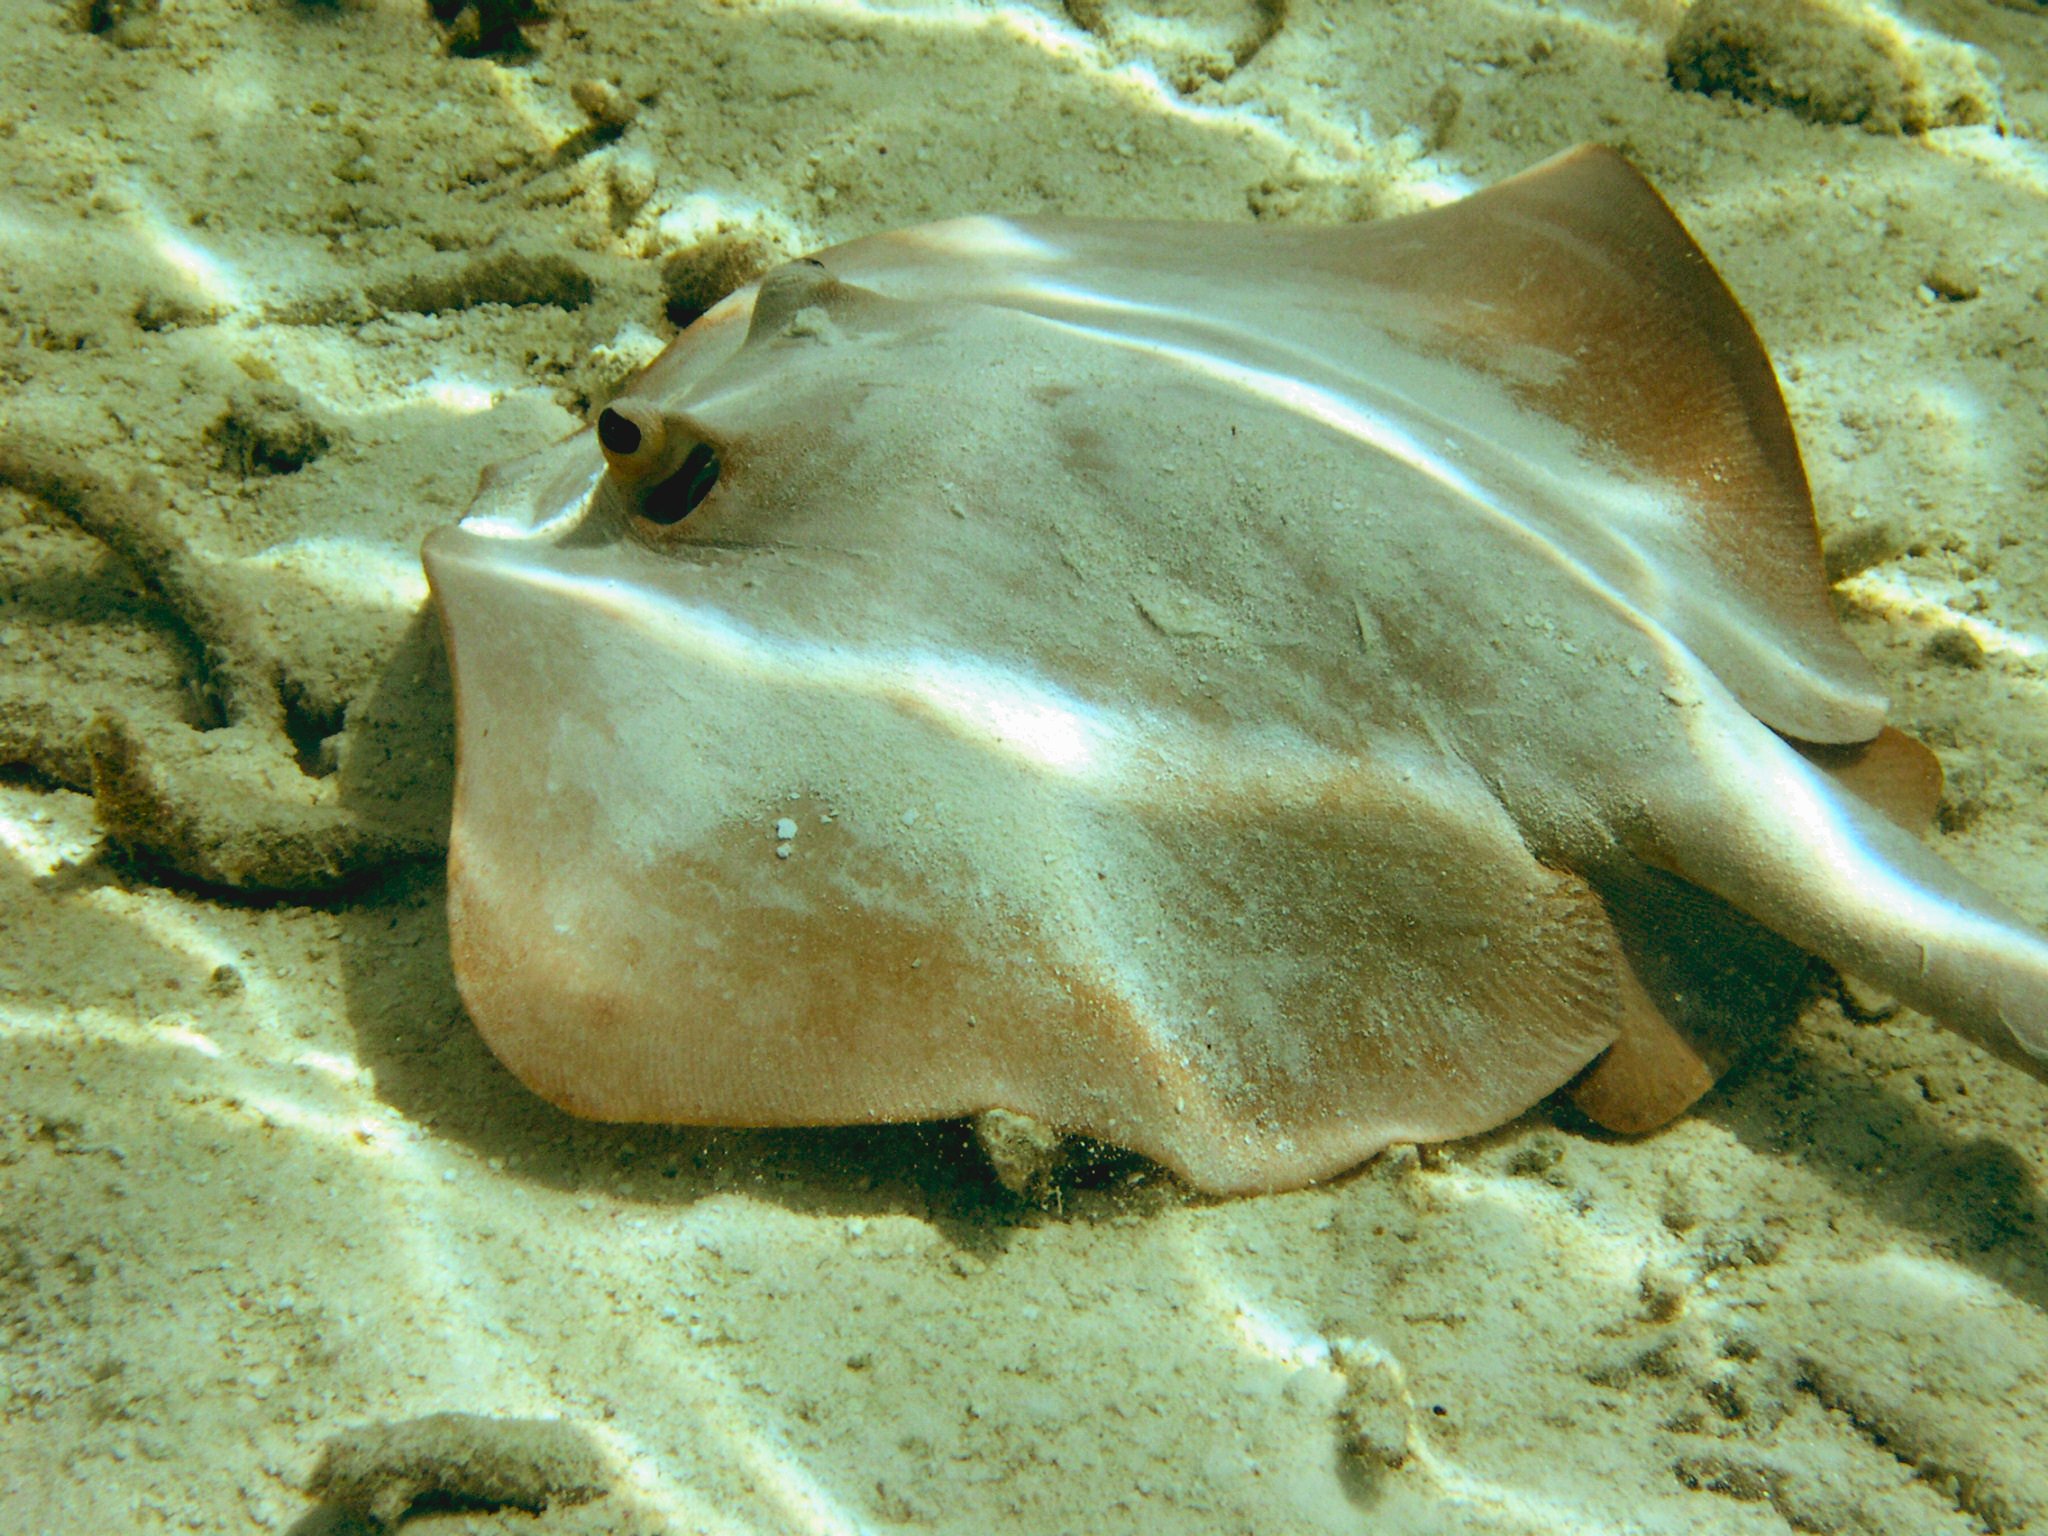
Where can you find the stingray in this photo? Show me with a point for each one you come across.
(1246, 694)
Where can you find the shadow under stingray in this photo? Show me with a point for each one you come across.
(1974, 1198)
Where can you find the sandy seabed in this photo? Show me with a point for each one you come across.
(305, 268)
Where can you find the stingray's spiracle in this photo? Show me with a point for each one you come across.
(639, 444)
(673, 499)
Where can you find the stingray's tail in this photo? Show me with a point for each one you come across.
(1784, 841)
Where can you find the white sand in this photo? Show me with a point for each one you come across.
(260, 1184)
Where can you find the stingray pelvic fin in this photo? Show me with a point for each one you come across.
(1652, 1074)
(1892, 772)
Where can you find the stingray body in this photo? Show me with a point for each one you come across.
(1246, 694)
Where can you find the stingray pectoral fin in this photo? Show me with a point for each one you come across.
(1780, 839)
(1651, 360)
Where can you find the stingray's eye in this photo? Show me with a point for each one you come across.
(631, 434)
(677, 497)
